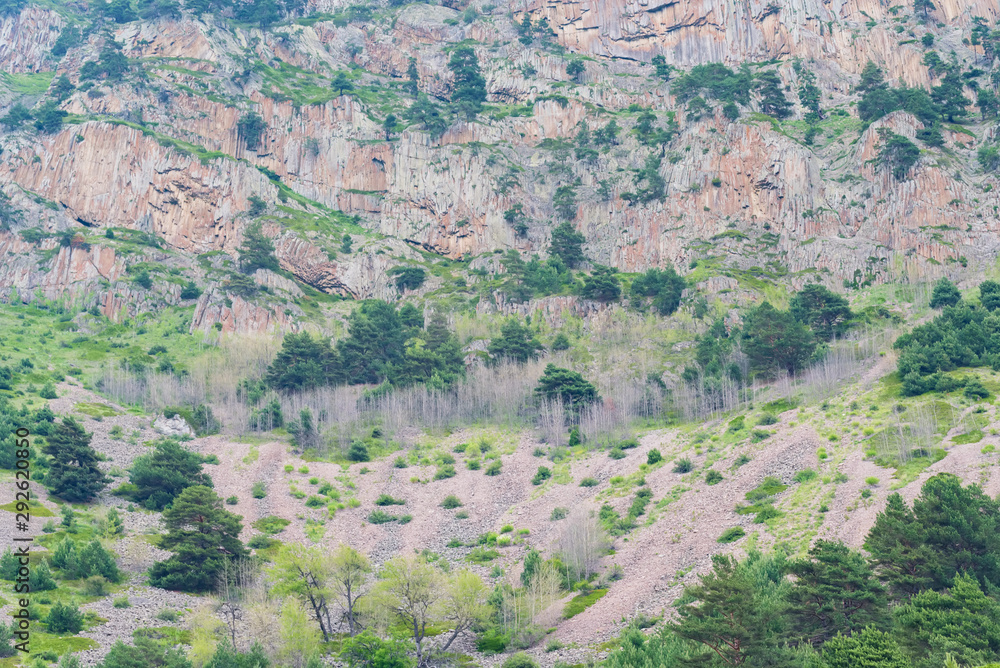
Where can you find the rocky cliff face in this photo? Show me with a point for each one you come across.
(160, 150)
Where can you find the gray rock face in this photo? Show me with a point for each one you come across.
(175, 426)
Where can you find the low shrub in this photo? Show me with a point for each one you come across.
(683, 465)
(451, 502)
(588, 482)
(543, 474)
(386, 500)
(653, 457)
(731, 535)
(559, 514)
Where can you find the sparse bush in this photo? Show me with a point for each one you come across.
(682, 465)
(805, 475)
(358, 452)
(559, 514)
(168, 615)
(731, 535)
(380, 517)
(444, 472)
(400, 463)
(653, 457)
(386, 500)
(713, 478)
(64, 619)
(121, 602)
(616, 453)
(493, 468)
(451, 502)
(258, 491)
(461, 515)
(871, 481)
(543, 474)
(588, 482)
(767, 418)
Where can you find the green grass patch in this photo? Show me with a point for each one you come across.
(27, 84)
(95, 410)
(37, 511)
(581, 602)
(271, 524)
(973, 436)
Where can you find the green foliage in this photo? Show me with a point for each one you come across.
(257, 250)
(428, 114)
(683, 465)
(160, 476)
(581, 602)
(64, 619)
(111, 64)
(535, 277)
(73, 473)
(654, 457)
(407, 278)
(772, 95)
(963, 335)
(202, 535)
(961, 622)
(713, 478)
(945, 293)
(468, 84)
(896, 153)
(714, 81)
(834, 592)
(304, 363)
(367, 650)
(570, 387)
(949, 529)
(541, 475)
(567, 244)
(869, 649)
(731, 535)
(602, 285)
(16, 116)
(49, 117)
(250, 128)
(776, 341)
(91, 560)
(663, 285)
(519, 660)
(735, 610)
(827, 314)
(145, 652)
(386, 500)
(272, 524)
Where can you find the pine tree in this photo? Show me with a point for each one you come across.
(159, 477)
(428, 114)
(567, 244)
(304, 363)
(734, 611)
(962, 622)
(468, 85)
(73, 473)
(516, 343)
(945, 294)
(202, 535)
(834, 591)
(776, 341)
(827, 313)
(257, 250)
(569, 386)
(412, 77)
(772, 95)
(869, 649)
